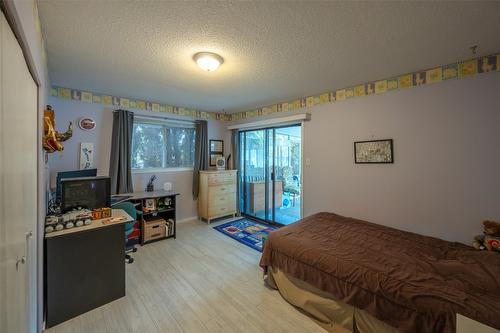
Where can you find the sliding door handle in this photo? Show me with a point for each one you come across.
(29, 235)
(21, 260)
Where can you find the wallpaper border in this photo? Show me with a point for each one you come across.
(457, 70)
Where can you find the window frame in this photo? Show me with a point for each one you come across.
(165, 123)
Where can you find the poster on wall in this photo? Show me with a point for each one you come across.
(86, 155)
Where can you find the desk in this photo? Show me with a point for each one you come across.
(147, 195)
(84, 268)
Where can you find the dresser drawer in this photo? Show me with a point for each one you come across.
(222, 178)
(227, 207)
(220, 210)
(222, 200)
(221, 190)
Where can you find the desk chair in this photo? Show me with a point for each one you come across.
(129, 208)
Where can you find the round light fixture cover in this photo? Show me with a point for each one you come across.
(208, 61)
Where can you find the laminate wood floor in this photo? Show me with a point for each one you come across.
(201, 282)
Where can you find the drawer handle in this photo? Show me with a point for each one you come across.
(155, 226)
(155, 235)
(223, 208)
(222, 188)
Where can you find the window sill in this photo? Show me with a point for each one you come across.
(160, 170)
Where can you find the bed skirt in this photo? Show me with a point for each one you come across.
(333, 315)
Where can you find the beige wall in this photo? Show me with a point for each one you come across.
(445, 180)
(68, 110)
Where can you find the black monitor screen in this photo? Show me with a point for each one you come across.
(90, 193)
(72, 174)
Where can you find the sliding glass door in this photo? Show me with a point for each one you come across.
(254, 163)
(270, 184)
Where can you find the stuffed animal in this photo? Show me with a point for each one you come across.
(490, 238)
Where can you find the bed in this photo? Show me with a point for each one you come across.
(356, 276)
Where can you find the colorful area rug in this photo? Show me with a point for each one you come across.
(246, 231)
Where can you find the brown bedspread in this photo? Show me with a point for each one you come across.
(412, 282)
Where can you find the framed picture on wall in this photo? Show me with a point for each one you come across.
(373, 151)
(217, 146)
(216, 151)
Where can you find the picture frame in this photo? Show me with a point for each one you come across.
(216, 150)
(86, 155)
(216, 146)
(150, 204)
(374, 151)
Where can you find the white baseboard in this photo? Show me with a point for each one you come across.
(196, 218)
(187, 219)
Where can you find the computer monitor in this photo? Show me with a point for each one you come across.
(89, 192)
(72, 174)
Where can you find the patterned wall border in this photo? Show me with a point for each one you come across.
(129, 103)
(458, 70)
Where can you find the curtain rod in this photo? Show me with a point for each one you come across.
(163, 118)
(272, 122)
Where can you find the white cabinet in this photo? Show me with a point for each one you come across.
(18, 186)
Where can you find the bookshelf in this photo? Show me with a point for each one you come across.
(158, 219)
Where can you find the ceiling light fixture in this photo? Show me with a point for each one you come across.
(208, 61)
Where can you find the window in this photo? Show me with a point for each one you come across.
(158, 144)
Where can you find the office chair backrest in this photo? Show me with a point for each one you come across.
(128, 207)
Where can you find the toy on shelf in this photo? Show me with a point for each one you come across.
(101, 213)
(75, 218)
(490, 239)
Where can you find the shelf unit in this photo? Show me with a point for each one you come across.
(158, 219)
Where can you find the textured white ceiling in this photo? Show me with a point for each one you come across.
(273, 51)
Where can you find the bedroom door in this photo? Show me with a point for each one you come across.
(270, 187)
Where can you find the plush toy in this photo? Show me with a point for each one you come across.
(490, 239)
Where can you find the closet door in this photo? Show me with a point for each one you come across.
(18, 186)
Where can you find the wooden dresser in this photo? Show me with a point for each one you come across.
(217, 195)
